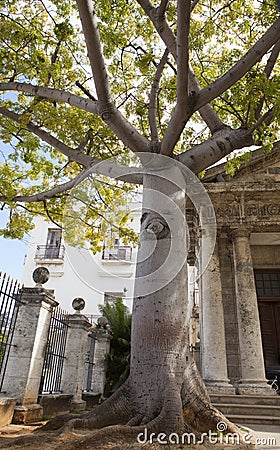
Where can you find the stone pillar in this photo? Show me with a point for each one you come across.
(252, 380)
(102, 348)
(24, 369)
(75, 354)
(213, 343)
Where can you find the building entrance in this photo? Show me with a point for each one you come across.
(268, 292)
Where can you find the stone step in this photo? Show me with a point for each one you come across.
(249, 410)
(251, 420)
(269, 400)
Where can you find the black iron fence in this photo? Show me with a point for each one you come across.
(55, 353)
(10, 291)
(89, 362)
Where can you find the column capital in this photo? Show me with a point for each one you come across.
(240, 232)
(37, 295)
(79, 321)
(102, 334)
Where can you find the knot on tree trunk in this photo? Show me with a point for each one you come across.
(106, 110)
(155, 226)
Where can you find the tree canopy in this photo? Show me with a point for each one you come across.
(176, 78)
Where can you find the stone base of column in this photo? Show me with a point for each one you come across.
(219, 387)
(254, 387)
(7, 406)
(78, 405)
(27, 413)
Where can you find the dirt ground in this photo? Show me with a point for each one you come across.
(31, 437)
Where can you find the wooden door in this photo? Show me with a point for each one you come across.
(270, 320)
(268, 292)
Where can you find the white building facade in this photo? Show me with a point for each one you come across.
(77, 272)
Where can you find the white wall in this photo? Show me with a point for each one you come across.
(80, 273)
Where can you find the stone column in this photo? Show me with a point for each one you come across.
(252, 380)
(213, 343)
(75, 354)
(24, 369)
(102, 348)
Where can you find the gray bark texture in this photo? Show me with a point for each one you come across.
(164, 390)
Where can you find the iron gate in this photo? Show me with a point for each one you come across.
(10, 291)
(89, 362)
(55, 353)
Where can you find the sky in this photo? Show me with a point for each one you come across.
(12, 253)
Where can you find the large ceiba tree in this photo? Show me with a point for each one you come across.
(181, 84)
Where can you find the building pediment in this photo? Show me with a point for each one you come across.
(252, 196)
(263, 166)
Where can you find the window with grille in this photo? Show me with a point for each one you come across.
(267, 283)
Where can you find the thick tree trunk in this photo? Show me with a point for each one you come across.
(160, 328)
(163, 377)
(164, 391)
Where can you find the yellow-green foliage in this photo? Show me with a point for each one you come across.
(42, 44)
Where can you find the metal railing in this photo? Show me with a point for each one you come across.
(89, 362)
(120, 253)
(10, 291)
(49, 252)
(55, 353)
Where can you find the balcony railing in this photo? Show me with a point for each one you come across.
(120, 253)
(50, 252)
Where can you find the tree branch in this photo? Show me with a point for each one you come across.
(95, 53)
(194, 3)
(211, 151)
(266, 118)
(207, 113)
(268, 69)
(94, 165)
(272, 59)
(55, 94)
(107, 110)
(124, 130)
(182, 109)
(104, 107)
(42, 196)
(112, 117)
(85, 91)
(160, 25)
(71, 153)
(239, 69)
(153, 96)
(183, 31)
(162, 8)
(49, 216)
